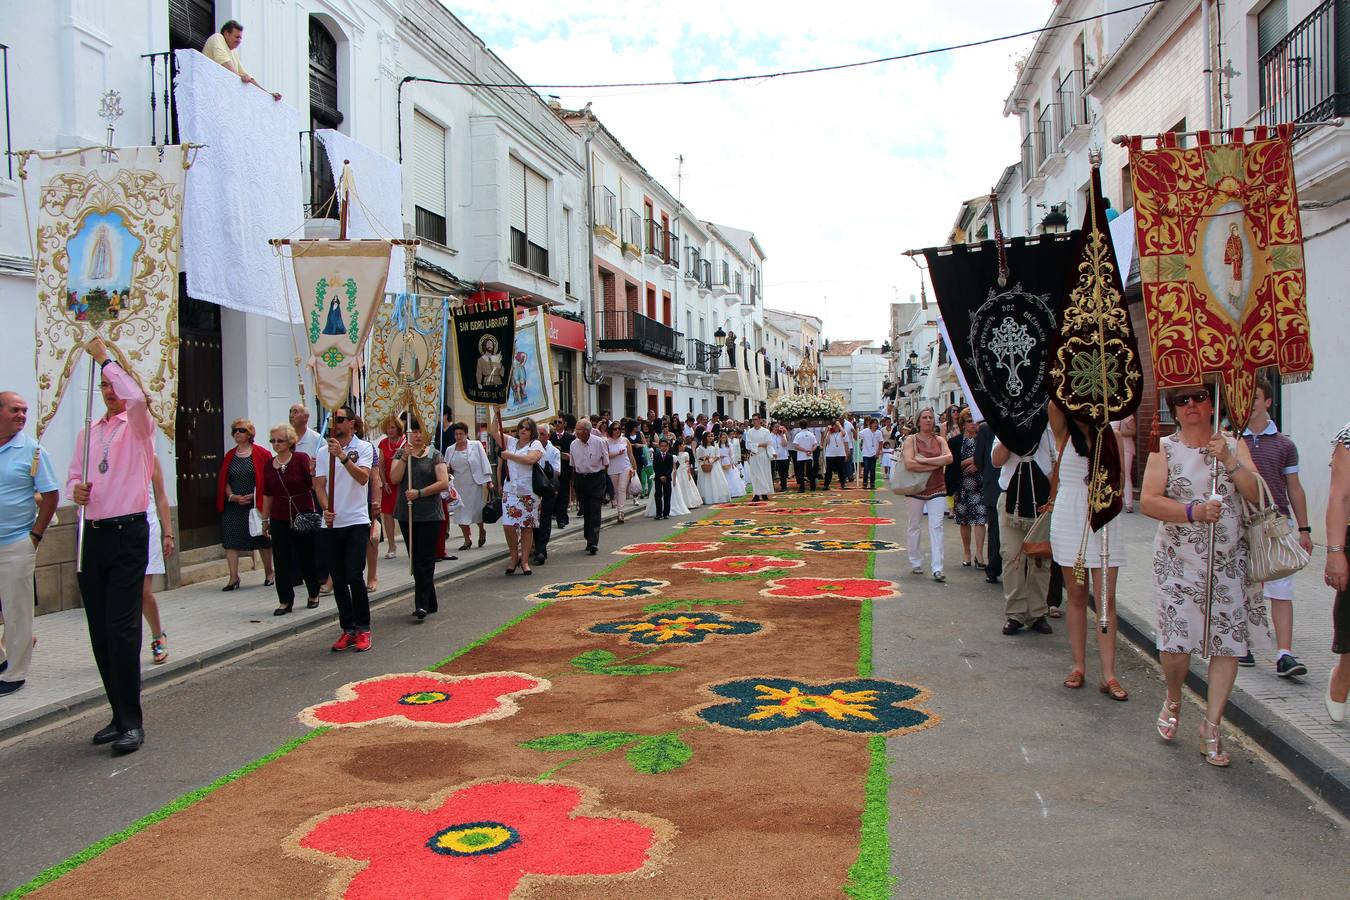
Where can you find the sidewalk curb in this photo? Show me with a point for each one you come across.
(180, 667)
(1319, 769)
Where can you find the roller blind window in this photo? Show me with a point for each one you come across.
(429, 182)
(528, 191)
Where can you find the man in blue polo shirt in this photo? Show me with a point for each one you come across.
(25, 470)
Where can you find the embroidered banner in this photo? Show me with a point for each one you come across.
(531, 382)
(1221, 261)
(1001, 333)
(1095, 373)
(485, 329)
(407, 359)
(107, 264)
(340, 284)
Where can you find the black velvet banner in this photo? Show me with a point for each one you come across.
(1001, 334)
(485, 343)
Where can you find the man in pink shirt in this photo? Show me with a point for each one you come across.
(116, 540)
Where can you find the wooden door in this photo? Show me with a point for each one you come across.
(200, 442)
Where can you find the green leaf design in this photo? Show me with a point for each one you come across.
(583, 740)
(593, 660)
(687, 605)
(633, 670)
(662, 753)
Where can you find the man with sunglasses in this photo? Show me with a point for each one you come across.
(347, 525)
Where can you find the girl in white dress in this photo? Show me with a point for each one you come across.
(730, 454)
(712, 480)
(684, 481)
(678, 506)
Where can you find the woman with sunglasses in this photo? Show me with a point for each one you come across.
(239, 489)
(288, 491)
(520, 504)
(622, 465)
(1176, 492)
(419, 474)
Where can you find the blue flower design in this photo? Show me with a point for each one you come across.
(856, 706)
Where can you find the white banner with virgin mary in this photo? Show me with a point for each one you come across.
(530, 390)
(107, 266)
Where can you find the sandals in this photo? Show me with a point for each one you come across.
(1075, 680)
(1112, 689)
(160, 648)
(390, 555)
(1167, 720)
(1212, 747)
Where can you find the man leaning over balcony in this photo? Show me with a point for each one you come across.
(224, 49)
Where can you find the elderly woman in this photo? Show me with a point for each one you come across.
(238, 489)
(520, 504)
(420, 474)
(390, 444)
(926, 451)
(1176, 492)
(1337, 574)
(288, 492)
(472, 473)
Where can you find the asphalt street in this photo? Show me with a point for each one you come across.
(1023, 789)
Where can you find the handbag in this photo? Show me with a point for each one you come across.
(1273, 550)
(492, 509)
(1036, 544)
(543, 480)
(305, 522)
(903, 481)
(255, 522)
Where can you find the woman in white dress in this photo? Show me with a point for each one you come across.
(471, 474)
(622, 466)
(712, 481)
(520, 504)
(730, 453)
(759, 441)
(684, 480)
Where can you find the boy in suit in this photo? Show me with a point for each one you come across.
(663, 465)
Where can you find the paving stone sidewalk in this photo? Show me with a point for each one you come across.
(1287, 717)
(204, 626)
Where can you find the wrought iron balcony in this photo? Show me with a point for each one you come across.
(672, 259)
(1306, 76)
(163, 67)
(632, 229)
(705, 279)
(1028, 159)
(1071, 111)
(701, 357)
(626, 329)
(1045, 145)
(606, 209)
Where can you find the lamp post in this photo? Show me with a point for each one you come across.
(1055, 221)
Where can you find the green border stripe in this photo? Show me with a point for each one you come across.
(191, 798)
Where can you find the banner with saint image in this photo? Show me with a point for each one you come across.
(485, 333)
(407, 359)
(107, 264)
(531, 382)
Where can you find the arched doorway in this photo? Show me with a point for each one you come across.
(323, 113)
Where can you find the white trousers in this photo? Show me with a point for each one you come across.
(16, 595)
(936, 509)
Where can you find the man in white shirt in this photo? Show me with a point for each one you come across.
(871, 446)
(850, 445)
(688, 429)
(223, 48)
(347, 460)
(780, 447)
(758, 442)
(806, 444)
(547, 505)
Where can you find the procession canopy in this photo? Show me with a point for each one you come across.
(1221, 260)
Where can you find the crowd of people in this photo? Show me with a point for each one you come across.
(320, 508)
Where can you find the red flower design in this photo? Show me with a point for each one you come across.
(669, 547)
(853, 520)
(425, 699)
(476, 842)
(742, 503)
(852, 588)
(738, 565)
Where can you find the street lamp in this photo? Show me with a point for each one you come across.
(1055, 221)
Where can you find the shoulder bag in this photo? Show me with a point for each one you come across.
(492, 509)
(543, 480)
(1273, 550)
(1036, 543)
(903, 481)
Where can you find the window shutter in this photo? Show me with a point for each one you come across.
(429, 189)
(536, 207)
(1272, 23)
(517, 191)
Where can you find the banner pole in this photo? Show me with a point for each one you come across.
(84, 467)
(1213, 494)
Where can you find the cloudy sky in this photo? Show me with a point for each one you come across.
(836, 173)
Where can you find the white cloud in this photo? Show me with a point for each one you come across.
(836, 173)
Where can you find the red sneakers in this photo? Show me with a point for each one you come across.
(348, 639)
(362, 642)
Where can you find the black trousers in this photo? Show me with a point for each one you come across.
(815, 467)
(544, 530)
(561, 501)
(993, 568)
(347, 563)
(115, 557)
(869, 471)
(293, 554)
(834, 465)
(780, 472)
(590, 490)
(805, 470)
(662, 489)
(1055, 595)
(320, 548)
(422, 550)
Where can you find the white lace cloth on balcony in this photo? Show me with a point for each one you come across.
(379, 187)
(243, 190)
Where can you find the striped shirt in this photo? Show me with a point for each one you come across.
(1276, 457)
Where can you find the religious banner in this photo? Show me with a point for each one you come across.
(1095, 374)
(340, 283)
(1221, 261)
(531, 381)
(407, 359)
(1000, 311)
(485, 330)
(107, 265)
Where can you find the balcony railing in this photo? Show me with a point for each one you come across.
(525, 252)
(723, 274)
(701, 357)
(672, 257)
(162, 68)
(1044, 136)
(627, 329)
(656, 238)
(1028, 159)
(695, 270)
(606, 208)
(1071, 111)
(706, 280)
(740, 284)
(9, 159)
(632, 228)
(1306, 76)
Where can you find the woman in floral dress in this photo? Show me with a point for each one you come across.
(969, 510)
(520, 504)
(1176, 492)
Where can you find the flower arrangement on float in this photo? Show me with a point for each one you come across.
(813, 408)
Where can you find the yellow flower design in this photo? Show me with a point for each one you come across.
(837, 704)
(665, 628)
